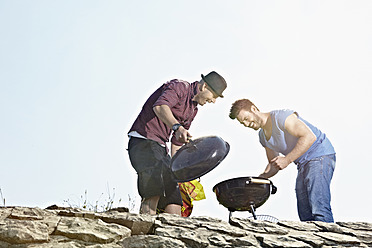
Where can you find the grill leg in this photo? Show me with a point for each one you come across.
(253, 213)
(230, 214)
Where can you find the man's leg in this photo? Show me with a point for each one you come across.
(149, 205)
(303, 205)
(173, 209)
(172, 201)
(318, 182)
(144, 158)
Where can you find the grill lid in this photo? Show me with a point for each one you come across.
(198, 157)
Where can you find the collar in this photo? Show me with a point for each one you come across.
(195, 91)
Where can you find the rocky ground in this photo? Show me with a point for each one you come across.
(70, 227)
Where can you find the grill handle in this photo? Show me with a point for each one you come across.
(257, 180)
(262, 181)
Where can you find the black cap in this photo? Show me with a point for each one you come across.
(216, 82)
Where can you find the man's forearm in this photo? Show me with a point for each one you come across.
(303, 144)
(164, 113)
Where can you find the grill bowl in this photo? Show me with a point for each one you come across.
(240, 194)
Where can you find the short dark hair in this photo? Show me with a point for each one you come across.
(238, 105)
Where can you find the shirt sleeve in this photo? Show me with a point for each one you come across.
(173, 92)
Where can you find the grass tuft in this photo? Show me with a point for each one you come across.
(2, 198)
(102, 204)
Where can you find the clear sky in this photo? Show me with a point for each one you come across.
(75, 74)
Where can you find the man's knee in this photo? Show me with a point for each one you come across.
(173, 209)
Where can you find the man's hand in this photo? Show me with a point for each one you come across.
(280, 162)
(183, 135)
(269, 171)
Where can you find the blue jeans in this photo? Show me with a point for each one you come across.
(313, 189)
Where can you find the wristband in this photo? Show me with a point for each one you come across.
(175, 127)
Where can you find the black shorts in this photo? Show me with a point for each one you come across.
(152, 164)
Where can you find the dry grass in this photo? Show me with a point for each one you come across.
(2, 198)
(102, 204)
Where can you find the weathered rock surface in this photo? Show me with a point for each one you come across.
(59, 227)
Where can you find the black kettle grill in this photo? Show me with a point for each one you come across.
(244, 193)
